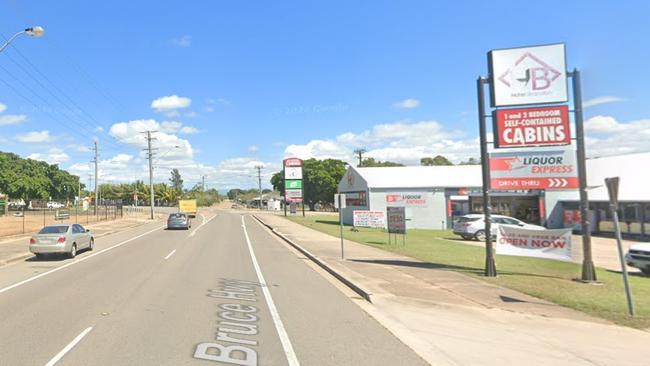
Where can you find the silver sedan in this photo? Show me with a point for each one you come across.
(62, 238)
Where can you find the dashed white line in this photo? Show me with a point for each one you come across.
(75, 262)
(67, 348)
(170, 254)
(282, 333)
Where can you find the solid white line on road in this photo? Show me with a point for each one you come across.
(170, 254)
(200, 226)
(67, 348)
(282, 333)
(76, 261)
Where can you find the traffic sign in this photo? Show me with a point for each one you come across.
(528, 75)
(553, 170)
(526, 127)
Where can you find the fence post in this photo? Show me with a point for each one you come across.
(24, 206)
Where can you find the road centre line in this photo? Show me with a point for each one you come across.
(67, 348)
(170, 254)
(200, 226)
(76, 261)
(282, 333)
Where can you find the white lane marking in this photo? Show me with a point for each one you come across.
(170, 254)
(67, 348)
(282, 333)
(202, 224)
(75, 262)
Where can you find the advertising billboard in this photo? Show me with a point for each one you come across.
(528, 75)
(527, 127)
(533, 170)
(545, 243)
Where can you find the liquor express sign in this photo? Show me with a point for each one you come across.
(533, 170)
(528, 75)
(523, 127)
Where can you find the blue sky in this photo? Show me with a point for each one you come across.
(315, 79)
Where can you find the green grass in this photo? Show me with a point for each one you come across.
(545, 279)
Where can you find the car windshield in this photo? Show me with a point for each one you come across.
(177, 216)
(54, 230)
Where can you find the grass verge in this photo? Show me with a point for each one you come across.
(546, 279)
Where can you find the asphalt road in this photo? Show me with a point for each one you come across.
(225, 292)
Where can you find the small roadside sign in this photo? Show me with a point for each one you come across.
(396, 218)
(339, 200)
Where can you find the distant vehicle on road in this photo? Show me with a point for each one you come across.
(639, 257)
(473, 226)
(179, 220)
(64, 238)
(188, 207)
(53, 204)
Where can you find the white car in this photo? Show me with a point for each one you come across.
(62, 238)
(53, 204)
(639, 257)
(473, 226)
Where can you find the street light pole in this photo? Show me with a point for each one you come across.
(259, 182)
(33, 31)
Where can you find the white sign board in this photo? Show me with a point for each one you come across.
(339, 200)
(528, 75)
(546, 243)
(293, 172)
(373, 219)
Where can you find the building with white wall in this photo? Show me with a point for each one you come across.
(434, 195)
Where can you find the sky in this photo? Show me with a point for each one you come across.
(231, 85)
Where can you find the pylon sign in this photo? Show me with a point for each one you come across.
(528, 75)
(293, 180)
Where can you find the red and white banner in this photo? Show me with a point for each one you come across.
(524, 127)
(546, 243)
(534, 170)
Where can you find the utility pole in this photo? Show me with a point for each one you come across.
(150, 156)
(79, 197)
(360, 153)
(96, 161)
(259, 182)
(203, 183)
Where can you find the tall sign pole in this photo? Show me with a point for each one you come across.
(490, 264)
(588, 270)
(284, 178)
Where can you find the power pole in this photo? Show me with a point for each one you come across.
(79, 198)
(259, 182)
(150, 156)
(203, 183)
(96, 161)
(360, 153)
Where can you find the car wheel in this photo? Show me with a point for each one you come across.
(480, 235)
(91, 244)
(73, 251)
(40, 256)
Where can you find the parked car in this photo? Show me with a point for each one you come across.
(63, 238)
(53, 204)
(639, 257)
(473, 226)
(179, 220)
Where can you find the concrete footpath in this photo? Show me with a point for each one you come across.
(452, 319)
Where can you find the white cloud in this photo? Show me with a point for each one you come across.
(53, 156)
(607, 136)
(3, 107)
(188, 130)
(34, 137)
(184, 41)
(407, 103)
(99, 129)
(12, 119)
(170, 103)
(241, 172)
(601, 100)
(170, 126)
(402, 142)
(253, 148)
(191, 114)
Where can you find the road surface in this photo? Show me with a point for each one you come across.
(226, 292)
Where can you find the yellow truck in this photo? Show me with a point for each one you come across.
(188, 207)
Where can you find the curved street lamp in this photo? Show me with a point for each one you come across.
(33, 32)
